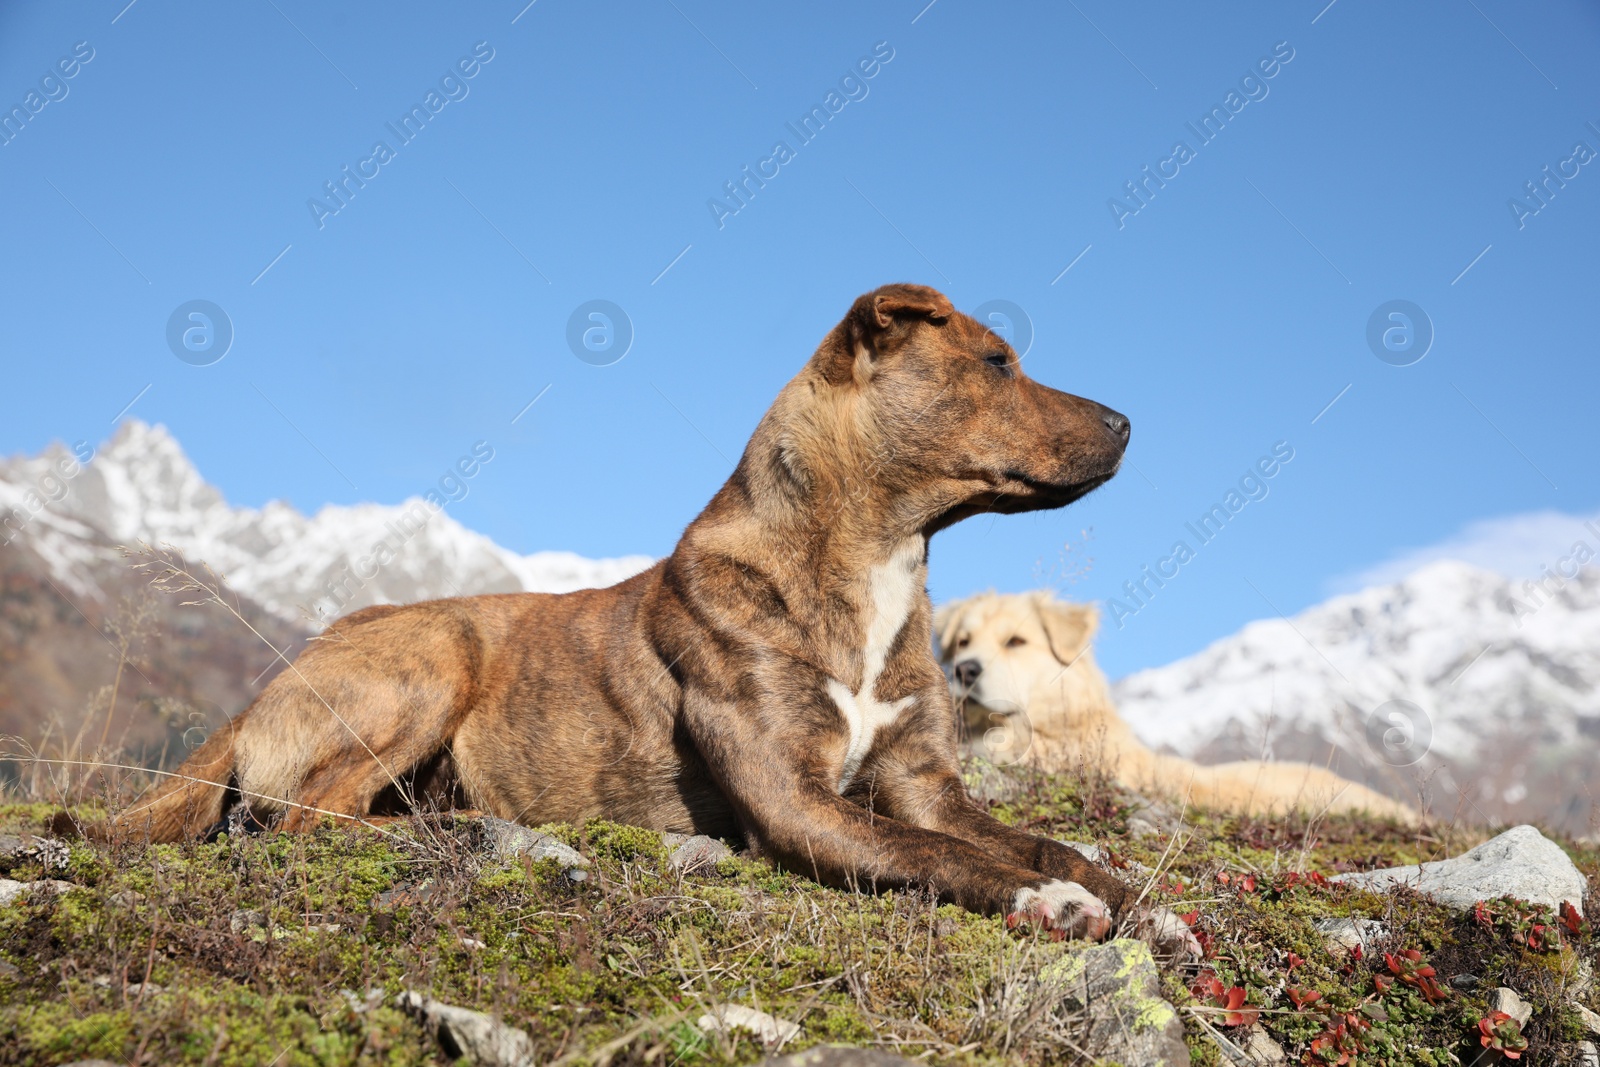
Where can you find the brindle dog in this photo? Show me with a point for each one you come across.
(771, 680)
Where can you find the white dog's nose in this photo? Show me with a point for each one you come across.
(967, 671)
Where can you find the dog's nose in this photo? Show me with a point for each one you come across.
(1118, 424)
(967, 671)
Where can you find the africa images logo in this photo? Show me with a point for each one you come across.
(852, 86)
(1253, 88)
(1251, 486)
(452, 88)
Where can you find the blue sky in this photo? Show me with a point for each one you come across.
(374, 344)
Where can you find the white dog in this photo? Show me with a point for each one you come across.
(1021, 669)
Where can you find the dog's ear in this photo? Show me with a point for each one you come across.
(946, 620)
(877, 323)
(1067, 627)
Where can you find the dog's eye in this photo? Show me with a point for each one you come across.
(1016, 642)
(964, 642)
(1000, 360)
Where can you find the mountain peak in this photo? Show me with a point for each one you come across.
(141, 486)
(1488, 675)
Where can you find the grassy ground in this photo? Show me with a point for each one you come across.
(617, 967)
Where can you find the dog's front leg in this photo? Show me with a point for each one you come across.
(777, 781)
(914, 778)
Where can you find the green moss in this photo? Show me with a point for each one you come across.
(61, 1032)
(615, 841)
(638, 949)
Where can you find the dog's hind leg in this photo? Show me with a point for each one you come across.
(396, 765)
(363, 712)
(342, 789)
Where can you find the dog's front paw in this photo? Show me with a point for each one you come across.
(1062, 909)
(1169, 933)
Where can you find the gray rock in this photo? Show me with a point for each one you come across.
(770, 1029)
(1089, 852)
(1249, 1047)
(840, 1056)
(1148, 817)
(361, 1003)
(1139, 826)
(11, 891)
(1588, 1055)
(406, 895)
(246, 919)
(1119, 989)
(1095, 854)
(1345, 935)
(470, 1035)
(693, 853)
(133, 989)
(507, 840)
(986, 781)
(19, 849)
(1507, 1000)
(1520, 863)
(1590, 1021)
(1260, 1050)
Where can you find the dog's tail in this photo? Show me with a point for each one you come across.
(184, 806)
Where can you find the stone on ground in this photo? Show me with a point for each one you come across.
(471, 1035)
(694, 853)
(770, 1029)
(1259, 1050)
(507, 840)
(18, 849)
(840, 1056)
(1344, 935)
(246, 919)
(11, 890)
(1116, 985)
(1250, 1046)
(1507, 1000)
(988, 781)
(1520, 863)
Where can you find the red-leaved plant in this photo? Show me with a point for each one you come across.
(1209, 990)
(1412, 969)
(1531, 926)
(1340, 1043)
(1302, 998)
(1503, 1034)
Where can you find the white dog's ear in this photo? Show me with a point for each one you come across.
(946, 620)
(1068, 627)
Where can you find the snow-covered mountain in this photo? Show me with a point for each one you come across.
(1485, 689)
(140, 486)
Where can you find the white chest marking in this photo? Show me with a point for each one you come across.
(893, 591)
